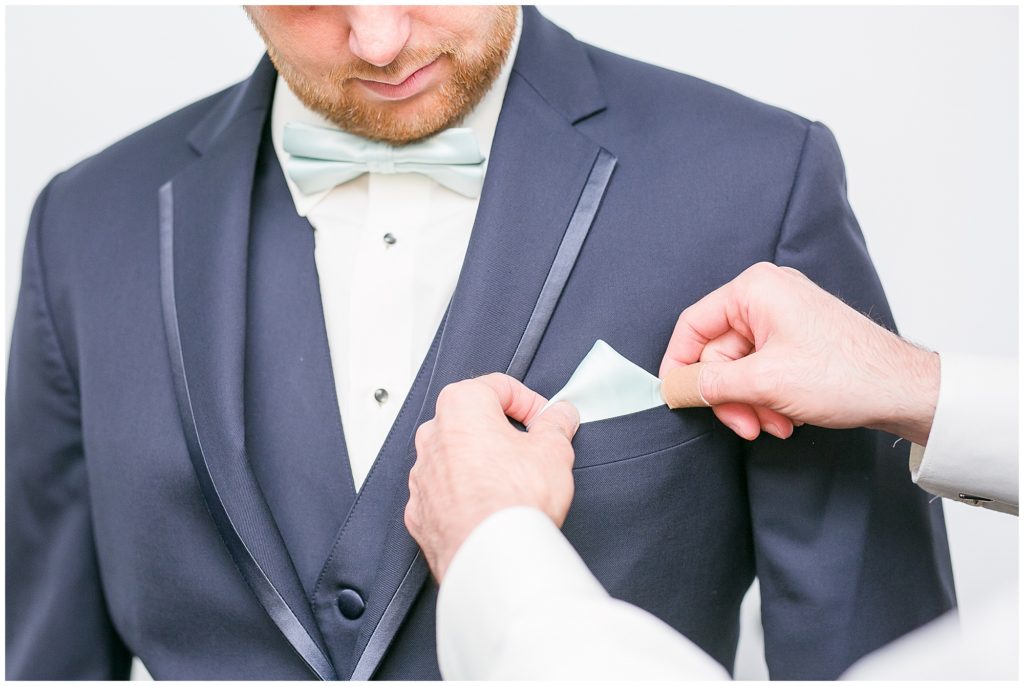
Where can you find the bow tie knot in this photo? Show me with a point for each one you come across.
(323, 158)
(383, 163)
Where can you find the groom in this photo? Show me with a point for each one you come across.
(232, 322)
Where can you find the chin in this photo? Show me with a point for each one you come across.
(410, 120)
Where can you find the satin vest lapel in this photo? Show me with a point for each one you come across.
(204, 224)
(543, 188)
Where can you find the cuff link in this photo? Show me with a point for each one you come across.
(973, 499)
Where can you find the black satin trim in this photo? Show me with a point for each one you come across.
(267, 595)
(565, 258)
(568, 250)
(392, 619)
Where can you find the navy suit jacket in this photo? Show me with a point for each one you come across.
(177, 482)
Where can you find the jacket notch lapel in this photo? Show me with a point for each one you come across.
(204, 236)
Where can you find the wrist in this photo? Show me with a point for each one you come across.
(912, 392)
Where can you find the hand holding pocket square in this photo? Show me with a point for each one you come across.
(777, 351)
(471, 462)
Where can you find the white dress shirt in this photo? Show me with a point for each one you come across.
(389, 248)
(517, 602)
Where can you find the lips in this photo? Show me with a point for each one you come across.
(414, 84)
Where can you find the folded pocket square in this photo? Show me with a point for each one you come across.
(606, 385)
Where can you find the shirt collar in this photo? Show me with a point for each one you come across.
(482, 119)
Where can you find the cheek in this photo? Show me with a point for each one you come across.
(466, 24)
(312, 40)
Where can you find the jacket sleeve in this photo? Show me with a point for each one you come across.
(57, 623)
(850, 554)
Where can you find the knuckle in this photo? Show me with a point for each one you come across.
(709, 382)
(423, 434)
(448, 395)
(763, 269)
(757, 275)
(410, 518)
(493, 376)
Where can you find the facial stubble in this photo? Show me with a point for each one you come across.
(338, 98)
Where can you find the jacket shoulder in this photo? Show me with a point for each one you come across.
(143, 158)
(110, 197)
(662, 101)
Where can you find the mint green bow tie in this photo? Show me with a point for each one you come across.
(324, 158)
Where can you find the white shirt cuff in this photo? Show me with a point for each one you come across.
(505, 564)
(971, 454)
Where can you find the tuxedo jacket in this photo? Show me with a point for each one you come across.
(177, 482)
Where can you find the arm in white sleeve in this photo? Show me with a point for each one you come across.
(971, 454)
(517, 602)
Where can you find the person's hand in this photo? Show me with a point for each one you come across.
(781, 351)
(471, 462)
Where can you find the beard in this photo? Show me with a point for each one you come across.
(339, 98)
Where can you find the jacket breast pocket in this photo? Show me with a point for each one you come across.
(638, 434)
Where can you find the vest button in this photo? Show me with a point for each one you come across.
(351, 603)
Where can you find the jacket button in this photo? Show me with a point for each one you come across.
(351, 603)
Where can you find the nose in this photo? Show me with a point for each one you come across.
(377, 34)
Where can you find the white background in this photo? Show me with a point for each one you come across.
(922, 100)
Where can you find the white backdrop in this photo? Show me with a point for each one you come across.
(923, 101)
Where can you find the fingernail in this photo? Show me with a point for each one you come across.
(737, 429)
(773, 429)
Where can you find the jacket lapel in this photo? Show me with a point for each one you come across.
(204, 236)
(544, 184)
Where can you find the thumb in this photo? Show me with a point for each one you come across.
(561, 417)
(735, 381)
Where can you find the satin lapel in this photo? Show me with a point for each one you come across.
(543, 188)
(204, 236)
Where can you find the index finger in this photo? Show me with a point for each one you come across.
(710, 317)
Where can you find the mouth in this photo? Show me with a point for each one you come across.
(413, 84)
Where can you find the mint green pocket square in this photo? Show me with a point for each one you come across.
(606, 385)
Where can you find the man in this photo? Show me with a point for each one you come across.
(486, 495)
(207, 303)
